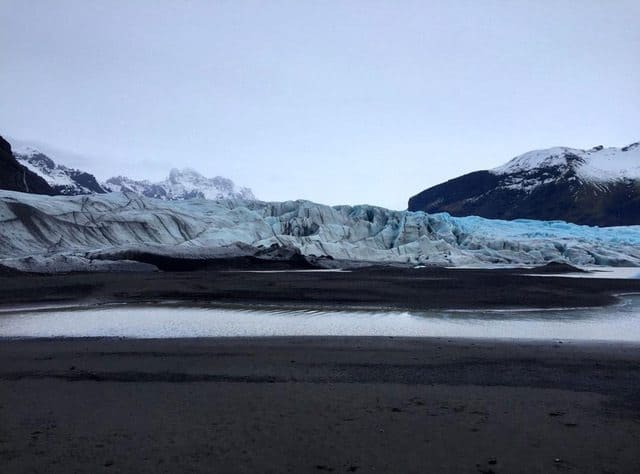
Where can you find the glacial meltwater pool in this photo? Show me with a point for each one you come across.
(620, 322)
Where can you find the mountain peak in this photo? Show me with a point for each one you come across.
(182, 183)
(177, 174)
(25, 150)
(61, 179)
(598, 164)
(185, 183)
(16, 177)
(596, 186)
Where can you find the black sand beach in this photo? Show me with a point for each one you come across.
(375, 287)
(322, 404)
(318, 405)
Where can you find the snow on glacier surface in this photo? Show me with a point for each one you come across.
(106, 227)
(557, 230)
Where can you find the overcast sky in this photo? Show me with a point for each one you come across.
(334, 101)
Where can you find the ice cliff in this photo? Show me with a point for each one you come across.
(94, 232)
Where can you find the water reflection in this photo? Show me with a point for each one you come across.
(620, 322)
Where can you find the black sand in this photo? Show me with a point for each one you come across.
(318, 405)
(400, 288)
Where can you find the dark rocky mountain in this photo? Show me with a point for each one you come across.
(600, 186)
(15, 177)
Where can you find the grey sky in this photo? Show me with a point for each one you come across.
(335, 101)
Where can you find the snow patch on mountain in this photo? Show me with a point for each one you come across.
(596, 165)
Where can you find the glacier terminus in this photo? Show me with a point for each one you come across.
(111, 231)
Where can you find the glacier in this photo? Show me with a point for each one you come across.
(104, 232)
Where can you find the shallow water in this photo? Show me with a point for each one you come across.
(620, 322)
(615, 273)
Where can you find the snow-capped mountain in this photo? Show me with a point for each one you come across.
(598, 164)
(61, 179)
(16, 177)
(180, 185)
(599, 186)
(104, 231)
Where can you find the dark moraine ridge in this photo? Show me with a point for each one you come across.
(388, 287)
